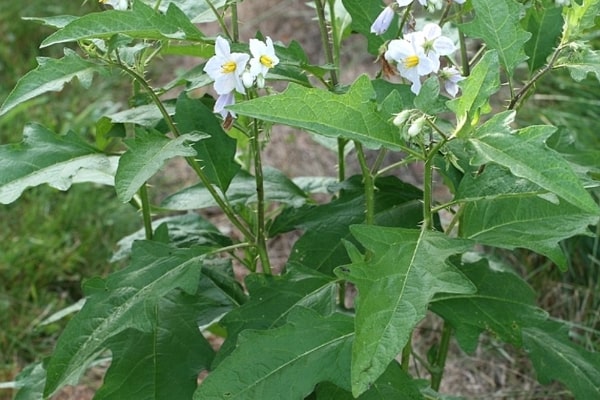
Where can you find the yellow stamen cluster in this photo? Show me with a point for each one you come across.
(411, 61)
(228, 67)
(266, 61)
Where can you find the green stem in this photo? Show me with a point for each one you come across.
(143, 192)
(192, 162)
(428, 186)
(234, 22)
(261, 242)
(341, 145)
(523, 91)
(326, 41)
(437, 372)
(219, 18)
(334, 36)
(369, 185)
(394, 165)
(464, 58)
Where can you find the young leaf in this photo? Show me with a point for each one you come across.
(217, 153)
(582, 63)
(50, 76)
(527, 156)
(545, 23)
(141, 22)
(407, 268)
(45, 157)
(503, 305)
(497, 23)
(273, 298)
(476, 91)
(307, 350)
(126, 299)
(579, 17)
(147, 153)
(555, 357)
(352, 115)
(164, 362)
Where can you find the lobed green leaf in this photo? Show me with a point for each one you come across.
(503, 305)
(555, 357)
(125, 300)
(545, 25)
(497, 23)
(406, 269)
(216, 154)
(144, 364)
(525, 154)
(50, 76)
(272, 299)
(146, 155)
(353, 115)
(141, 22)
(45, 157)
(307, 350)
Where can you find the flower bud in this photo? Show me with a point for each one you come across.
(247, 79)
(383, 21)
(260, 81)
(416, 127)
(401, 118)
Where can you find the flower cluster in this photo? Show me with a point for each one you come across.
(418, 54)
(235, 72)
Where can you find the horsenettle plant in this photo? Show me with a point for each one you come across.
(295, 332)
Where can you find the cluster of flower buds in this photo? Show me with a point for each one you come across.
(236, 72)
(417, 54)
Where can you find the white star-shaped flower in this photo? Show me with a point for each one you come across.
(263, 57)
(411, 61)
(226, 68)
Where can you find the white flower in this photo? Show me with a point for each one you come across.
(451, 76)
(263, 57)
(383, 21)
(460, 1)
(223, 101)
(116, 4)
(434, 44)
(560, 3)
(411, 61)
(226, 68)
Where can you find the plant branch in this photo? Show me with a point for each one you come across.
(437, 370)
(192, 162)
(261, 242)
(143, 193)
(325, 39)
(369, 184)
(523, 91)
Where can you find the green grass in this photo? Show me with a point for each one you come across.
(49, 240)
